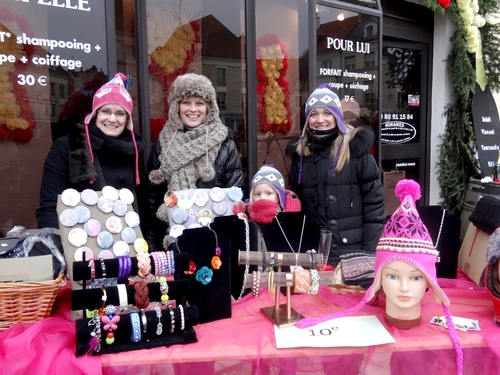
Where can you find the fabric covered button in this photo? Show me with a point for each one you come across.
(110, 192)
(128, 235)
(200, 198)
(217, 194)
(69, 217)
(105, 240)
(114, 224)
(120, 208)
(83, 214)
(219, 208)
(132, 219)
(89, 197)
(105, 204)
(126, 196)
(77, 237)
(70, 197)
(92, 227)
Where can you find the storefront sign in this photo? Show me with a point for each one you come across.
(487, 129)
(395, 128)
(68, 4)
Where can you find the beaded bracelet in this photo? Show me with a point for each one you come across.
(159, 326)
(255, 283)
(95, 341)
(136, 326)
(163, 289)
(183, 323)
(314, 282)
(172, 319)
(170, 263)
(103, 269)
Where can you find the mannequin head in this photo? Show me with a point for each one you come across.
(404, 286)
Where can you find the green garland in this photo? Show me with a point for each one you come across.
(457, 162)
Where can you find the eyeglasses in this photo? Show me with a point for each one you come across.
(120, 115)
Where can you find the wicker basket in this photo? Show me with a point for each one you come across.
(28, 301)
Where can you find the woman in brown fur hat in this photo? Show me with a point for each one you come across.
(194, 149)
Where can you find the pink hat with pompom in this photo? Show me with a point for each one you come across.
(405, 238)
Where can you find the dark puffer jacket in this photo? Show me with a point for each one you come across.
(114, 165)
(351, 203)
(228, 173)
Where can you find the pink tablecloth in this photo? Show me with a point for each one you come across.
(245, 343)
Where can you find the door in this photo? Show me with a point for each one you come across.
(403, 119)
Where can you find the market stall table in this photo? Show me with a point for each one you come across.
(245, 344)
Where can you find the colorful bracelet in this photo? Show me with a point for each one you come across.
(163, 289)
(143, 265)
(136, 326)
(172, 319)
(314, 282)
(110, 320)
(159, 327)
(302, 281)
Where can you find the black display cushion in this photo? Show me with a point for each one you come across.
(123, 342)
(213, 299)
(92, 298)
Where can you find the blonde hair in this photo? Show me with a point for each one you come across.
(341, 141)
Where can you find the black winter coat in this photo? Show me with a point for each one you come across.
(115, 166)
(351, 203)
(228, 173)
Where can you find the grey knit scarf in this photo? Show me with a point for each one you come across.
(188, 156)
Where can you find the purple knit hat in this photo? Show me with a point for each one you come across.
(404, 238)
(323, 97)
(114, 92)
(269, 175)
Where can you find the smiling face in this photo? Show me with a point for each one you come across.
(111, 119)
(404, 286)
(193, 111)
(322, 119)
(264, 192)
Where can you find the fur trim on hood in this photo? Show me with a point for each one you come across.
(191, 85)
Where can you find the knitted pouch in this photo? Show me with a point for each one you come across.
(292, 202)
(486, 214)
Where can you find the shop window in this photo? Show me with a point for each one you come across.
(327, 64)
(221, 77)
(53, 91)
(62, 91)
(221, 100)
(370, 60)
(350, 63)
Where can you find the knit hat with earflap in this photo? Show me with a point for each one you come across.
(269, 175)
(405, 238)
(114, 92)
(323, 97)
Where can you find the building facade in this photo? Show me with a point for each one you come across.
(385, 59)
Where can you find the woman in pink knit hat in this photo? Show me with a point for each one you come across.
(104, 150)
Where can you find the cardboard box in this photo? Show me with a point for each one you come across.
(472, 254)
(389, 181)
(37, 268)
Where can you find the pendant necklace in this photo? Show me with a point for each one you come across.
(288, 242)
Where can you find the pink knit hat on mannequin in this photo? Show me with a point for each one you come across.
(114, 92)
(405, 238)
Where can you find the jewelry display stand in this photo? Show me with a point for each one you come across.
(177, 323)
(282, 315)
(213, 298)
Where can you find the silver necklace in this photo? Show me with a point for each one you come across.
(288, 242)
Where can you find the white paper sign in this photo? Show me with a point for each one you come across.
(346, 331)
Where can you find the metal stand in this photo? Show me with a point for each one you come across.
(282, 315)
